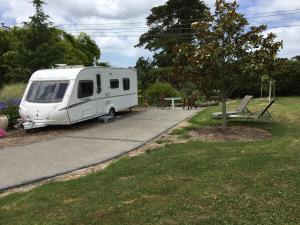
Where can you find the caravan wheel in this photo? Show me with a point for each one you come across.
(112, 113)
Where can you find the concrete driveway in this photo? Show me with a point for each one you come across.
(26, 164)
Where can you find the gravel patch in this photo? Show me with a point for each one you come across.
(20, 137)
(230, 133)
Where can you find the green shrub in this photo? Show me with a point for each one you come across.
(13, 112)
(12, 91)
(153, 92)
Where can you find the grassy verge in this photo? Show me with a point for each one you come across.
(193, 183)
(12, 91)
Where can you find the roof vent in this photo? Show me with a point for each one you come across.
(65, 66)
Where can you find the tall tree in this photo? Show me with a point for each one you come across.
(39, 37)
(89, 47)
(39, 45)
(144, 68)
(287, 77)
(40, 19)
(169, 26)
(4, 47)
(228, 53)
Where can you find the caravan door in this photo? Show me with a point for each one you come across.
(100, 98)
(84, 107)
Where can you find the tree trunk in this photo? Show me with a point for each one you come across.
(270, 91)
(261, 88)
(274, 89)
(224, 110)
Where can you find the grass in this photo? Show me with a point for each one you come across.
(162, 141)
(12, 91)
(193, 183)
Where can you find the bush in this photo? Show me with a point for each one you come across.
(155, 90)
(10, 98)
(12, 111)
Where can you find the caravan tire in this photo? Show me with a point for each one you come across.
(28, 131)
(112, 113)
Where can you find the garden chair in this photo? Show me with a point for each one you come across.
(161, 101)
(190, 102)
(263, 115)
(242, 109)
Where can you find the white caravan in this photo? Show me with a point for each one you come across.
(71, 95)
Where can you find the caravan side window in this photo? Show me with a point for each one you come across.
(126, 84)
(98, 77)
(85, 88)
(114, 84)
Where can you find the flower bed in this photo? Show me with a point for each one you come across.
(10, 107)
(11, 101)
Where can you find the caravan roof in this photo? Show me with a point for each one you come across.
(56, 74)
(65, 74)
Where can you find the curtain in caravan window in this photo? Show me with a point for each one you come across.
(61, 90)
(45, 92)
(85, 88)
(126, 84)
(32, 91)
(98, 78)
(114, 83)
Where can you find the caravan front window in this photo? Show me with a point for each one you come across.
(47, 91)
(32, 91)
(61, 90)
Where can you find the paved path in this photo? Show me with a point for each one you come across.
(25, 164)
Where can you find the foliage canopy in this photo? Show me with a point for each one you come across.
(227, 52)
(170, 26)
(38, 45)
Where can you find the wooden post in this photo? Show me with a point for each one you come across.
(261, 87)
(274, 89)
(224, 113)
(270, 91)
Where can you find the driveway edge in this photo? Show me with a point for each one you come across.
(33, 181)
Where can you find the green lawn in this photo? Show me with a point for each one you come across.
(193, 183)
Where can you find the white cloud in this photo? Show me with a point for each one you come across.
(291, 39)
(271, 6)
(281, 20)
(103, 12)
(17, 10)
(119, 49)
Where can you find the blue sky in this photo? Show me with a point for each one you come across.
(128, 17)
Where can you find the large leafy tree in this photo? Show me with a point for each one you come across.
(169, 26)
(4, 42)
(227, 53)
(39, 45)
(89, 48)
(287, 77)
(16, 57)
(144, 68)
(41, 39)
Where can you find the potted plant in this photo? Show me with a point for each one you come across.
(4, 122)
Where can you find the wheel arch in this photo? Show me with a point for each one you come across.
(111, 106)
